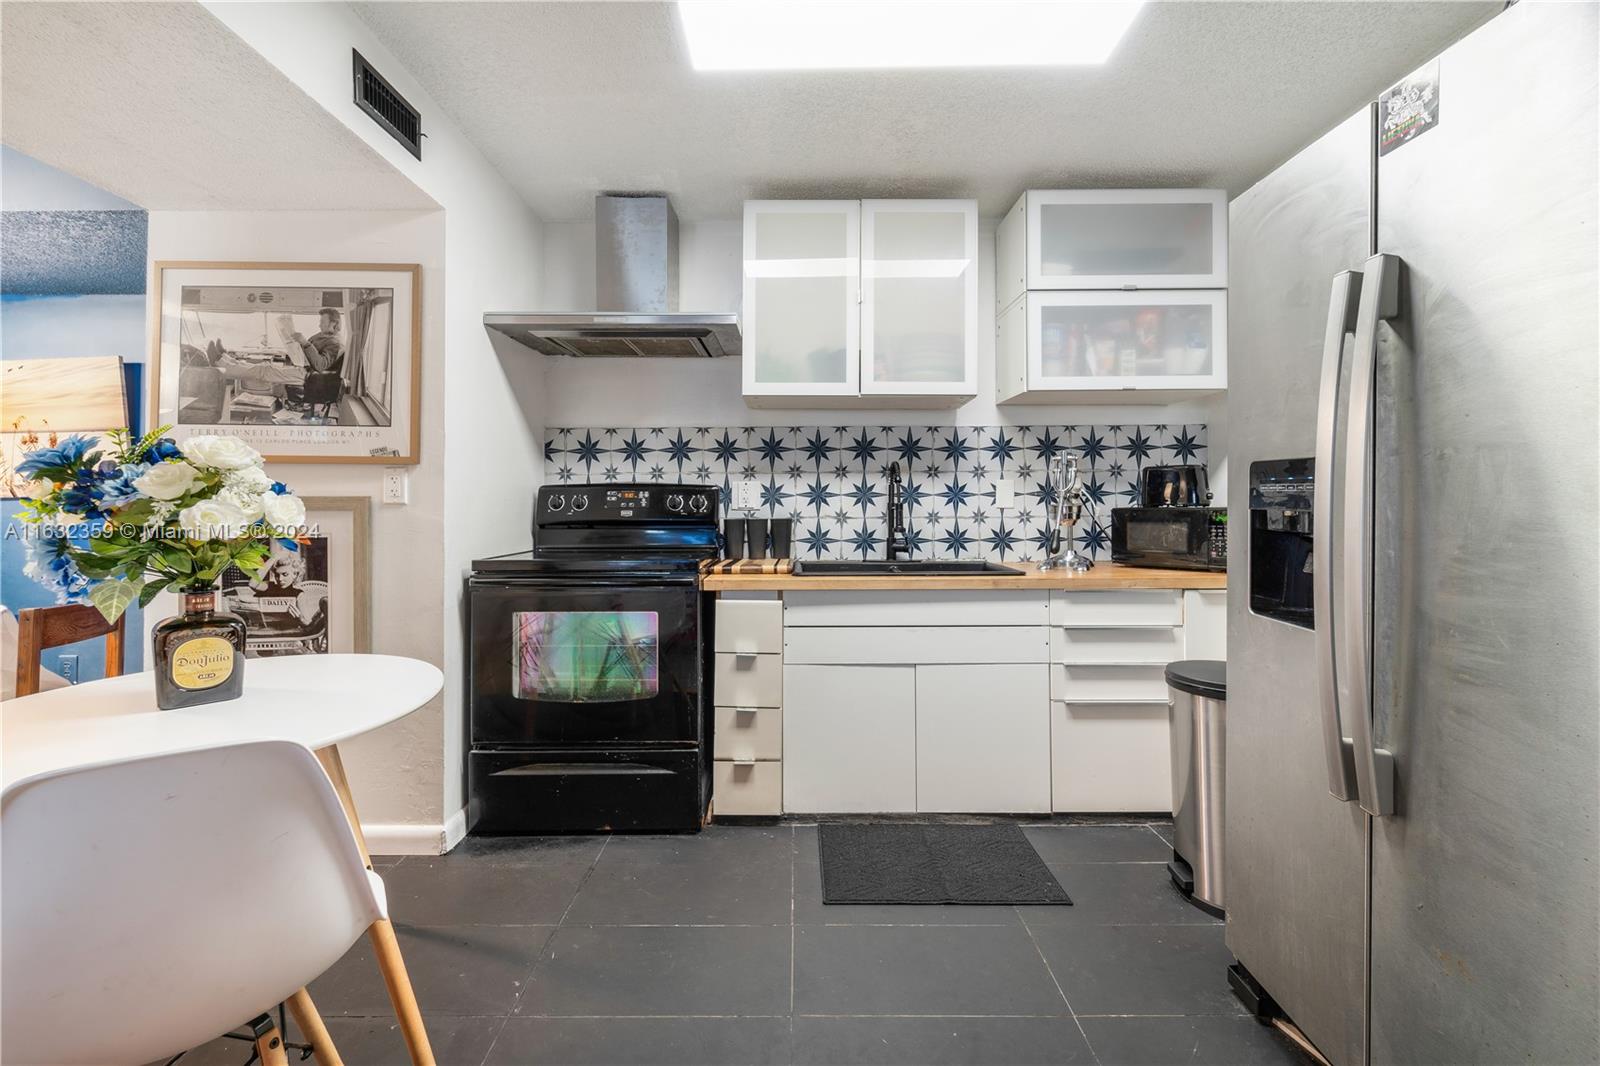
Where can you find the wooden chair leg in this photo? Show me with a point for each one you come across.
(269, 1045)
(385, 946)
(305, 1015)
(393, 967)
(334, 767)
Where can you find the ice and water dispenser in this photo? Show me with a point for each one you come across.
(1281, 493)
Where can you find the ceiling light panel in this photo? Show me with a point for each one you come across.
(901, 34)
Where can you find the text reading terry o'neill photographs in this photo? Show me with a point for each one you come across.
(307, 362)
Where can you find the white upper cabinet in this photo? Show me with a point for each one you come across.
(1054, 347)
(1104, 292)
(1113, 239)
(802, 293)
(858, 302)
(919, 297)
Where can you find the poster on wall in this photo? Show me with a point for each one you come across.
(306, 362)
(314, 598)
(43, 401)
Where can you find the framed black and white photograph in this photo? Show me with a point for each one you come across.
(315, 598)
(306, 362)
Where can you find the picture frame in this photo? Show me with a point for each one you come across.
(45, 400)
(306, 362)
(316, 599)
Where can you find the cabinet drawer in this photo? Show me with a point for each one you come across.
(748, 680)
(745, 788)
(1117, 607)
(749, 733)
(1125, 645)
(913, 645)
(898, 607)
(1083, 683)
(1109, 757)
(749, 626)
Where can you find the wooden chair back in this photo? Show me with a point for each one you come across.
(39, 628)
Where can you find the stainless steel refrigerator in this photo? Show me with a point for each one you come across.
(1413, 708)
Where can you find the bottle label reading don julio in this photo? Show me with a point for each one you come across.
(199, 654)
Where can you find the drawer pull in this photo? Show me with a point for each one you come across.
(744, 761)
(745, 653)
(746, 710)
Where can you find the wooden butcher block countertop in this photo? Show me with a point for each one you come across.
(774, 576)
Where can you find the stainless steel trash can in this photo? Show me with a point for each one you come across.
(1198, 710)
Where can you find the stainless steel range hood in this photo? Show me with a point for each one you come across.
(636, 287)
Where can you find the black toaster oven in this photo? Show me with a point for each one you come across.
(1177, 538)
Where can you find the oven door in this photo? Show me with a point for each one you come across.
(587, 662)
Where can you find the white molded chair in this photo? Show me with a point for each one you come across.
(152, 904)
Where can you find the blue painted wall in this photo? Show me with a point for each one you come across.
(72, 281)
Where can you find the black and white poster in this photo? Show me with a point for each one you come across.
(312, 364)
(285, 608)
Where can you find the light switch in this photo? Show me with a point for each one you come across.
(1005, 494)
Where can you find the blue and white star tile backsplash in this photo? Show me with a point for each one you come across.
(833, 480)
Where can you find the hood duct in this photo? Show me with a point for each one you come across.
(636, 290)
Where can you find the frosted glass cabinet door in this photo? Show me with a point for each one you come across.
(1128, 238)
(801, 290)
(919, 297)
(1127, 340)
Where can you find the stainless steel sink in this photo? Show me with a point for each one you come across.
(927, 567)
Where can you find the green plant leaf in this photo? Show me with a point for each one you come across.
(174, 558)
(112, 597)
(151, 590)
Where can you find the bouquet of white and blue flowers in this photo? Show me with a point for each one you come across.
(146, 514)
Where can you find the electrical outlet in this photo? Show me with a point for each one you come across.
(396, 486)
(1005, 494)
(69, 668)
(747, 495)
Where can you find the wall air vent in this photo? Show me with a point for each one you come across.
(388, 108)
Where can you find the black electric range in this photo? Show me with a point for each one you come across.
(589, 665)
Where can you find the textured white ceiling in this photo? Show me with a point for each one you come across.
(164, 106)
(568, 99)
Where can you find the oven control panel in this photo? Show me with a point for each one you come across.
(627, 504)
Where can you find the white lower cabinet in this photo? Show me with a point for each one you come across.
(849, 739)
(983, 739)
(747, 728)
(745, 787)
(961, 702)
(1109, 757)
(1109, 743)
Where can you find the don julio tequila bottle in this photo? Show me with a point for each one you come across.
(199, 654)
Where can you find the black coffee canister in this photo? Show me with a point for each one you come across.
(782, 537)
(733, 538)
(755, 538)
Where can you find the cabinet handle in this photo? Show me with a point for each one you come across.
(745, 710)
(745, 653)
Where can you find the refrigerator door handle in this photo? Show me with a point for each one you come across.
(1340, 751)
(1380, 299)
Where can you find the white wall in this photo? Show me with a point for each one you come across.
(681, 392)
(29, 185)
(398, 772)
(490, 420)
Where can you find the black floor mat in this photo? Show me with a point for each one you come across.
(925, 864)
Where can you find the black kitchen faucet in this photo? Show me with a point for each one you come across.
(898, 545)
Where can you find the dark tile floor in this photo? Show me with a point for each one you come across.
(717, 948)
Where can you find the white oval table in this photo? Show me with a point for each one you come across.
(315, 700)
